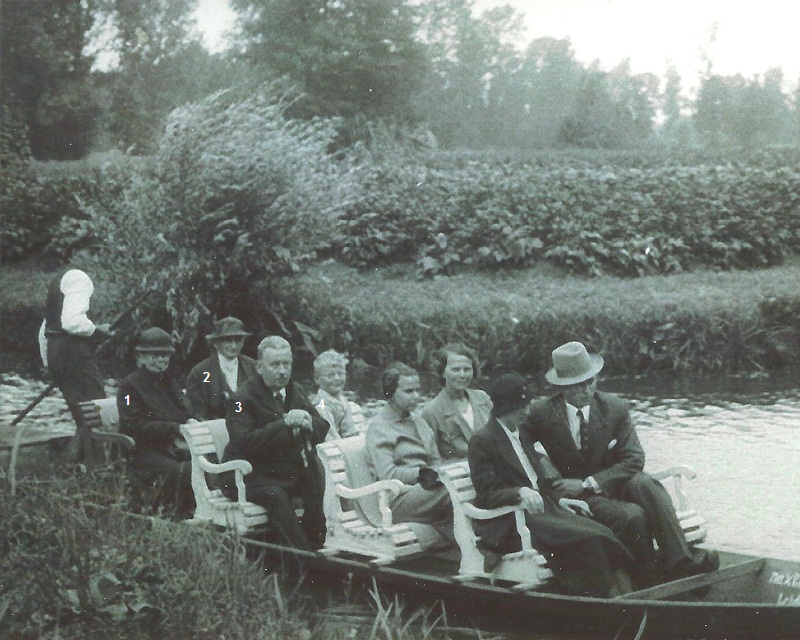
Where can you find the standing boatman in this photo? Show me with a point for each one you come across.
(67, 342)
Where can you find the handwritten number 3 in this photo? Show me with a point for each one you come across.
(238, 407)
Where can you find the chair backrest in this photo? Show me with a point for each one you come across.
(101, 414)
(354, 454)
(458, 481)
(206, 438)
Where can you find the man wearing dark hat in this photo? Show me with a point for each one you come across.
(591, 440)
(212, 383)
(151, 409)
(506, 469)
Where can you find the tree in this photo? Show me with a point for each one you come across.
(161, 65)
(549, 82)
(45, 79)
(349, 57)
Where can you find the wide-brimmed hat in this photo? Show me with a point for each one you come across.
(229, 327)
(154, 340)
(573, 364)
(509, 392)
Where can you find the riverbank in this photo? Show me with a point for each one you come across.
(704, 321)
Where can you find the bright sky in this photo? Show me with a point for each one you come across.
(751, 35)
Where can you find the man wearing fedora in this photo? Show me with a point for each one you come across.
(593, 444)
(506, 469)
(152, 407)
(212, 383)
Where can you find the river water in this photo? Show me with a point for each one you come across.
(742, 436)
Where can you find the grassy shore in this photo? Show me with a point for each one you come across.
(701, 321)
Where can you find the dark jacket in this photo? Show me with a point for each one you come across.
(615, 454)
(208, 391)
(151, 409)
(260, 435)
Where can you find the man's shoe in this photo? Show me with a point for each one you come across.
(704, 562)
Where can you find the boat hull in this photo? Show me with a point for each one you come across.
(727, 610)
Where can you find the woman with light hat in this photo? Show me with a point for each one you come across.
(152, 407)
(212, 383)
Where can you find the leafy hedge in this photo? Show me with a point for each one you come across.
(589, 217)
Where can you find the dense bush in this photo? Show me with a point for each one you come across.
(590, 217)
(237, 195)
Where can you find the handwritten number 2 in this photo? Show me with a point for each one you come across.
(207, 375)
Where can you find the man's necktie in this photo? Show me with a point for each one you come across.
(279, 399)
(584, 431)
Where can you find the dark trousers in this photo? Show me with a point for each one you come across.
(642, 511)
(276, 494)
(583, 554)
(74, 370)
(169, 475)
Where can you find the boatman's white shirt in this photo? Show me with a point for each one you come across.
(77, 288)
(513, 436)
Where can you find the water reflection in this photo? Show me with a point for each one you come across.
(745, 447)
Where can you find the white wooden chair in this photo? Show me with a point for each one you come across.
(100, 439)
(357, 512)
(693, 525)
(526, 568)
(204, 439)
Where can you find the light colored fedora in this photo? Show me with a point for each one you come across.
(573, 364)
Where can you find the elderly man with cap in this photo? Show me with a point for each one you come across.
(212, 383)
(592, 442)
(151, 408)
(506, 469)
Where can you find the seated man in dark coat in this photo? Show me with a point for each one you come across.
(273, 426)
(211, 384)
(506, 469)
(151, 409)
(591, 440)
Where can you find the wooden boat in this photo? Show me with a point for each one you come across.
(748, 597)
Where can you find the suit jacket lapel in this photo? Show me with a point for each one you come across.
(597, 426)
(449, 409)
(506, 450)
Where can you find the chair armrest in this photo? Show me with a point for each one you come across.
(677, 473)
(240, 468)
(391, 486)
(475, 513)
(124, 440)
(207, 466)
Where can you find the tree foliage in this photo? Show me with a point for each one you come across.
(45, 80)
(238, 196)
(349, 57)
